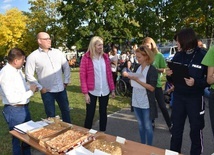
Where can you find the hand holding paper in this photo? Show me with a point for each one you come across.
(135, 74)
(134, 77)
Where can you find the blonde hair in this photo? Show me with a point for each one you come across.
(144, 49)
(91, 46)
(149, 40)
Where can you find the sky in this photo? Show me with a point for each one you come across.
(22, 5)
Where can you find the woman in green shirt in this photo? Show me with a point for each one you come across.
(208, 60)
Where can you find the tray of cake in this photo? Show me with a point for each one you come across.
(50, 130)
(100, 146)
(66, 141)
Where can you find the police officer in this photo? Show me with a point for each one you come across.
(188, 93)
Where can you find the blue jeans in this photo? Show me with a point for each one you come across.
(62, 100)
(145, 125)
(14, 116)
(207, 92)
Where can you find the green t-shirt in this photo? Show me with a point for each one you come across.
(159, 62)
(208, 60)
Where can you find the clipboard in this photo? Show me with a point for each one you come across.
(180, 71)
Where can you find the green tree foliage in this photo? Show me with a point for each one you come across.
(12, 27)
(44, 17)
(187, 13)
(160, 19)
(106, 18)
(145, 15)
(74, 22)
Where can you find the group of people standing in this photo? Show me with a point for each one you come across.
(45, 66)
(187, 96)
(48, 65)
(151, 64)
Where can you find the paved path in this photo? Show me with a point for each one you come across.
(124, 124)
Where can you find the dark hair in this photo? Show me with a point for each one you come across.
(187, 39)
(126, 63)
(114, 46)
(15, 53)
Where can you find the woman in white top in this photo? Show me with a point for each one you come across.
(143, 95)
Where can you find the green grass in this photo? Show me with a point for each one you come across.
(77, 103)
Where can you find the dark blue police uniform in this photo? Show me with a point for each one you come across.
(188, 102)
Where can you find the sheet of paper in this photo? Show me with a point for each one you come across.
(134, 83)
(79, 151)
(99, 152)
(42, 123)
(120, 140)
(92, 131)
(27, 126)
(19, 131)
(135, 74)
(169, 152)
(83, 151)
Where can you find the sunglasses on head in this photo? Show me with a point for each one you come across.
(142, 48)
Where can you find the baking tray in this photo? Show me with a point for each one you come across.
(66, 141)
(50, 130)
(113, 148)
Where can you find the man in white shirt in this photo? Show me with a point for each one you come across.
(50, 66)
(15, 96)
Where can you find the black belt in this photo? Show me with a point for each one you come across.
(15, 105)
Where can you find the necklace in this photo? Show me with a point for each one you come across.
(192, 58)
(190, 51)
(188, 63)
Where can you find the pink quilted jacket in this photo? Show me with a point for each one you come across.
(87, 73)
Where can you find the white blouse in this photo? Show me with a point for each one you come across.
(139, 95)
(101, 87)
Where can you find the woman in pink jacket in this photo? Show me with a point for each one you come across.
(96, 82)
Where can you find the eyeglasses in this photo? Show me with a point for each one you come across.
(45, 39)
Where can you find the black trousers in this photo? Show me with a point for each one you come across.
(162, 105)
(193, 108)
(114, 75)
(91, 108)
